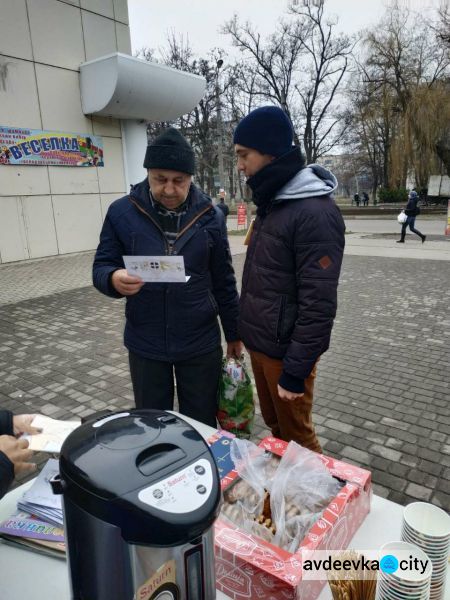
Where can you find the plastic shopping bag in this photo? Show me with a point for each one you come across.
(402, 217)
(236, 409)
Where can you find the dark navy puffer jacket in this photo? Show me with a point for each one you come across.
(171, 321)
(289, 287)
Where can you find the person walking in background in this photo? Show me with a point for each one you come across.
(14, 453)
(356, 199)
(289, 285)
(365, 199)
(172, 327)
(223, 208)
(412, 210)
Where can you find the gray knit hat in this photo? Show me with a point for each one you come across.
(170, 150)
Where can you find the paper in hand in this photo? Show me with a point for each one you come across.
(54, 432)
(166, 269)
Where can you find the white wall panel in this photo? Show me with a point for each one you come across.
(15, 37)
(19, 100)
(23, 181)
(40, 226)
(121, 11)
(78, 221)
(56, 33)
(123, 38)
(59, 94)
(111, 177)
(13, 242)
(99, 35)
(102, 7)
(106, 126)
(73, 180)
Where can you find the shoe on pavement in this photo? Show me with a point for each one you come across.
(402, 242)
(424, 237)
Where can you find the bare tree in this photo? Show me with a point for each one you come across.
(272, 62)
(403, 93)
(326, 60)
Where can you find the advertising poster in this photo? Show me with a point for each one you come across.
(36, 147)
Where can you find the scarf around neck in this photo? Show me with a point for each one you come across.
(267, 181)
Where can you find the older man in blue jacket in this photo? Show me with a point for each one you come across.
(288, 299)
(172, 327)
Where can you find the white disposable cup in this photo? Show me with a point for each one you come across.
(428, 520)
(403, 550)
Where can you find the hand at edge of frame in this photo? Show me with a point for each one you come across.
(289, 396)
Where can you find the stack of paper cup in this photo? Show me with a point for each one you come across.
(408, 582)
(428, 527)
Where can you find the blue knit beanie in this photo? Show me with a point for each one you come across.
(266, 129)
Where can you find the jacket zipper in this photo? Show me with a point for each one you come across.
(155, 223)
(255, 236)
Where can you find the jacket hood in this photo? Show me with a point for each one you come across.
(311, 181)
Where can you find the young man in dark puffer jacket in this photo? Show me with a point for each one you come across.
(289, 286)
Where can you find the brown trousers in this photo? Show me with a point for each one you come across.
(288, 420)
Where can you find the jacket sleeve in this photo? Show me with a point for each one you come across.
(108, 259)
(6, 473)
(6, 466)
(6, 422)
(319, 247)
(224, 281)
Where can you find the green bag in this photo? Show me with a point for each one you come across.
(236, 409)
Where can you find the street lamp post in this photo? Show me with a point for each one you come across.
(219, 129)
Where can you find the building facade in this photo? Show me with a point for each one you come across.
(48, 210)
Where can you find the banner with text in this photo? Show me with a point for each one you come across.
(36, 147)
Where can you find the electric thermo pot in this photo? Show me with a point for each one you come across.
(141, 492)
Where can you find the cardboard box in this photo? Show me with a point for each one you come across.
(247, 567)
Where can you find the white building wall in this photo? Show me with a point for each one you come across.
(44, 210)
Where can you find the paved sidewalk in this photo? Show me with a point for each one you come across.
(382, 389)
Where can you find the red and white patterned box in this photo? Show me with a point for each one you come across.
(250, 568)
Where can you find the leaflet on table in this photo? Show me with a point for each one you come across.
(53, 434)
(28, 526)
(165, 269)
(39, 499)
(54, 549)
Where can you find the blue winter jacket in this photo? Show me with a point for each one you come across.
(171, 321)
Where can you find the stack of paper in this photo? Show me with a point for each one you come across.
(25, 525)
(39, 499)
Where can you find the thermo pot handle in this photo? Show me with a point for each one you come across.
(157, 457)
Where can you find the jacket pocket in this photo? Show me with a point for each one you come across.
(280, 320)
(213, 302)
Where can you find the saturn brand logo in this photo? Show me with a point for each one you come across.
(176, 480)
